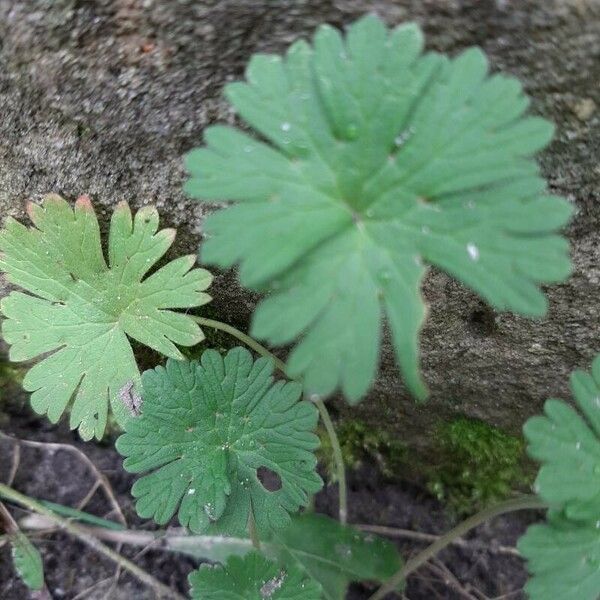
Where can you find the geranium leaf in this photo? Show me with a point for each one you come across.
(252, 577)
(371, 161)
(564, 554)
(563, 557)
(568, 446)
(207, 433)
(82, 309)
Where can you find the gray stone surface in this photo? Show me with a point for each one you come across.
(103, 97)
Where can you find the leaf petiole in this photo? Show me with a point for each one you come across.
(523, 503)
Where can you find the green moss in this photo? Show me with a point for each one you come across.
(359, 443)
(478, 464)
(9, 375)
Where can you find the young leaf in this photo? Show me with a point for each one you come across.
(252, 577)
(564, 554)
(333, 554)
(376, 160)
(207, 433)
(27, 561)
(568, 446)
(564, 557)
(82, 309)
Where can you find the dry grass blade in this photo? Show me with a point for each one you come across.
(450, 580)
(100, 481)
(16, 461)
(428, 538)
(100, 478)
(92, 541)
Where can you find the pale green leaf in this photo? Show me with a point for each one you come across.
(564, 558)
(252, 577)
(371, 161)
(82, 309)
(568, 446)
(564, 554)
(207, 431)
(27, 561)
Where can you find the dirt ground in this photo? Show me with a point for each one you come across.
(482, 569)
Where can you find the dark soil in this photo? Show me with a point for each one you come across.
(72, 569)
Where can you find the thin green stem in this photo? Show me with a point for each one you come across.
(325, 416)
(523, 503)
(91, 541)
(240, 335)
(338, 459)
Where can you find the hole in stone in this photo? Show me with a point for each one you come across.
(483, 321)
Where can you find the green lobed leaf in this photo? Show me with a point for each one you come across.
(564, 553)
(27, 561)
(82, 309)
(252, 577)
(371, 161)
(563, 557)
(568, 446)
(206, 432)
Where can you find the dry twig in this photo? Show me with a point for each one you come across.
(428, 538)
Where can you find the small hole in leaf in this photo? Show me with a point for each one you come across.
(268, 479)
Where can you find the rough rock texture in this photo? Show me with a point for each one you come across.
(103, 97)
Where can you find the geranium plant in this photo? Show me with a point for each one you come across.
(367, 160)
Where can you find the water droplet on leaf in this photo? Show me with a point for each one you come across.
(343, 550)
(473, 251)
